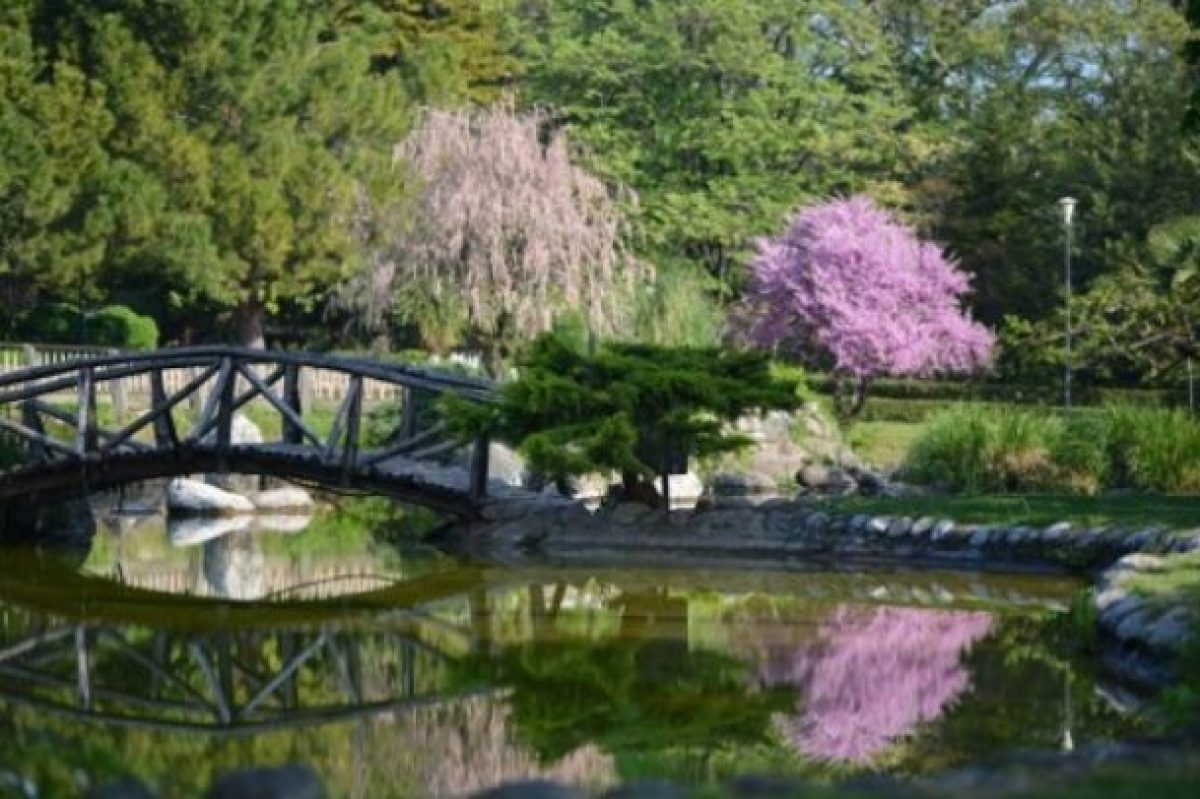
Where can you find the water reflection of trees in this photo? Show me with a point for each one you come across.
(376, 709)
(636, 689)
(582, 679)
(872, 676)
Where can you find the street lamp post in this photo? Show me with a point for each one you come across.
(1067, 206)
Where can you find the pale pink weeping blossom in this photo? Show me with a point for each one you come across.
(872, 677)
(506, 225)
(848, 281)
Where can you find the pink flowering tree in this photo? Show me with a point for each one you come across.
(850, 287)
(873, 676)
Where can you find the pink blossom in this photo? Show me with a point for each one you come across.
(848, 281)
(873, 676)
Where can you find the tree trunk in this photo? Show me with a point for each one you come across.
(493, 360)
(249, 321)
(850, 395)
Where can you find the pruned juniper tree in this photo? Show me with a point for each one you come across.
(634, 409)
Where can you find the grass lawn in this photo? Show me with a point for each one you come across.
(1174, 512)
(1180, 580)
(884, 445)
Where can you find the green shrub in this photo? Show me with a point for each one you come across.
(952, 451)
(113, 326)
(54, 323)
(1018, 454)
(945, 392)
(678, 310)
(636, 409)
(122, 328)
(1163, 450)
(1080, 453)
(977, 448)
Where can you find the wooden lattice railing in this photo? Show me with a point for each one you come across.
(52, 410)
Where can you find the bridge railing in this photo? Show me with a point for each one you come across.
(15, 356)
(53, 408)
(318, 385)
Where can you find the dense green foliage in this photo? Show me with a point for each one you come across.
(629, 408)
(976, 116)
(115, 326)
(218, 164)
(1001, 449)
(205, 156)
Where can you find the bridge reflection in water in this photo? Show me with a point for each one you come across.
(230, 683)
(444, 679)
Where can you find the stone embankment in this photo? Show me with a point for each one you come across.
(798, 528)
(1146, 634)
(1143, 636)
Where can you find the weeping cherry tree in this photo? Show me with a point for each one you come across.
(504, 233)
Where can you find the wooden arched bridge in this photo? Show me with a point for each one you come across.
(187, 420)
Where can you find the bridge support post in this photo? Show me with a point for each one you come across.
(479, 469)
(86, 439)
(165, 434)
(292, 434)
(36, 450)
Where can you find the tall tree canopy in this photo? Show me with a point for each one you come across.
(973, 116)
(720, 113)
(1026, 102)
(214, 153)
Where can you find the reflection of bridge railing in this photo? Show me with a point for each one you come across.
(68, 443)
(227, 683)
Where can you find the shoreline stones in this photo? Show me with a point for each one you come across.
(1143, 637)
(798, 527)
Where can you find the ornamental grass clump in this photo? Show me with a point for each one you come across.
(980, 449)
(1161, 449)
(952, 451)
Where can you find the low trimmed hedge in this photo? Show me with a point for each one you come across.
(948, 391)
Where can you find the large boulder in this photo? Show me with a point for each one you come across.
(196, 498)
(289, 499)
(783, 444)
(685, 490)
(733, 490)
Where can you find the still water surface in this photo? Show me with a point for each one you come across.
(173, 652)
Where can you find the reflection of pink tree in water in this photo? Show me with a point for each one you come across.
(873, 676)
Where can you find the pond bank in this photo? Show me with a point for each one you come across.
(1143, 638)
(784, 528)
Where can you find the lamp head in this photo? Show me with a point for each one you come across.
(1067, 206)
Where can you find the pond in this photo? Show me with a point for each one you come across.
(173, 652)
